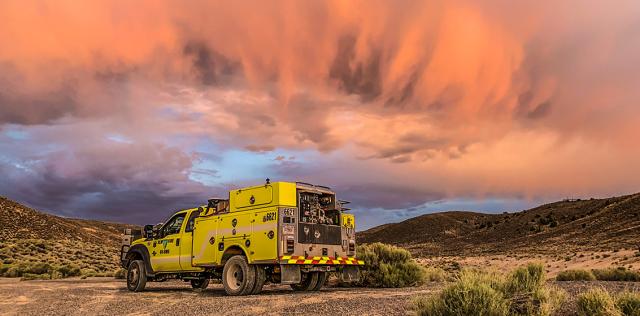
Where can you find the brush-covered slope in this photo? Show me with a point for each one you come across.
(31, 238)
(593, 224)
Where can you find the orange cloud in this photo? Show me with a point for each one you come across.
(479, 97)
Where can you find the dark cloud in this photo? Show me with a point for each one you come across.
(383, 196)
(259, 148)
(21, 104)
(540, 111)
(126, 182)
(356, 77)
(308, 117)
(405, 145)
(211, 67)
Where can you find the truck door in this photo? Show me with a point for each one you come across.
(165, 251)
(186, 244)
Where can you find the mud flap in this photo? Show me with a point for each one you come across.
(290, 274)
(349, 274)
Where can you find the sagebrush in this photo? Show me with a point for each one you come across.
(596, 302)
(575, 275)
(616, 274)
(628, 303)
(522, 292)
(389, 266)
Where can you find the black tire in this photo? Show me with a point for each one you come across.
(238, 277)
(136, 276)
(308, 282)
(261, 277)
(199, 284)
(322, 279)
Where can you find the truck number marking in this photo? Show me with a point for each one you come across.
(271, 216)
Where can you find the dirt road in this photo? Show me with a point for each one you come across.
(106, 296)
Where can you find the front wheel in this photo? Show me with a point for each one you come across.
(238, 277)
(199, 284)
(136, 276)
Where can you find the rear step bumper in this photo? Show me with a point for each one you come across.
(320, 260)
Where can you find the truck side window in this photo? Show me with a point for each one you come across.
(174, 225)
(192, 219)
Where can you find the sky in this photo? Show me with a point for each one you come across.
(129, 110)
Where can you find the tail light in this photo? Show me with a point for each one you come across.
(290, 245)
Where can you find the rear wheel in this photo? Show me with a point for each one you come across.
(322, 279)
(238, 277)
(261, 277)
(136, 276)
(199, 284)
(309, 281)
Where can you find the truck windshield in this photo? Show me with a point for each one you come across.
(173, 225)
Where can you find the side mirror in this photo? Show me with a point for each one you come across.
(157, 233)
(148, 231)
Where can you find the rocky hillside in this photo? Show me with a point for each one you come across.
(32, 242)
(594, 224)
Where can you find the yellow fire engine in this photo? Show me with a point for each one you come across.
(281, 232)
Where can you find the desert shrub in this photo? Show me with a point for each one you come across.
(69, 270)
(596, 302)
(32, 276)
(526, 279)
(37, 268)
(523, 292)
(21, 268)
(474, 293)
(4, 268)
(628, 303)
(434, 274)
(389, 266)
(575, 275)
(616, 274)
(525, 288)
(120, 274)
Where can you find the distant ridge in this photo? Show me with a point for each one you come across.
(567, 225)
(31, 238)
(19, 221)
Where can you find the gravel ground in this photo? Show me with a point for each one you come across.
(106, 296)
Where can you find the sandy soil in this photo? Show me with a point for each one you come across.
(106, 296)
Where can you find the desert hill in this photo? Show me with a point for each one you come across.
(570, 225)
(29, 238)
(19, 221)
